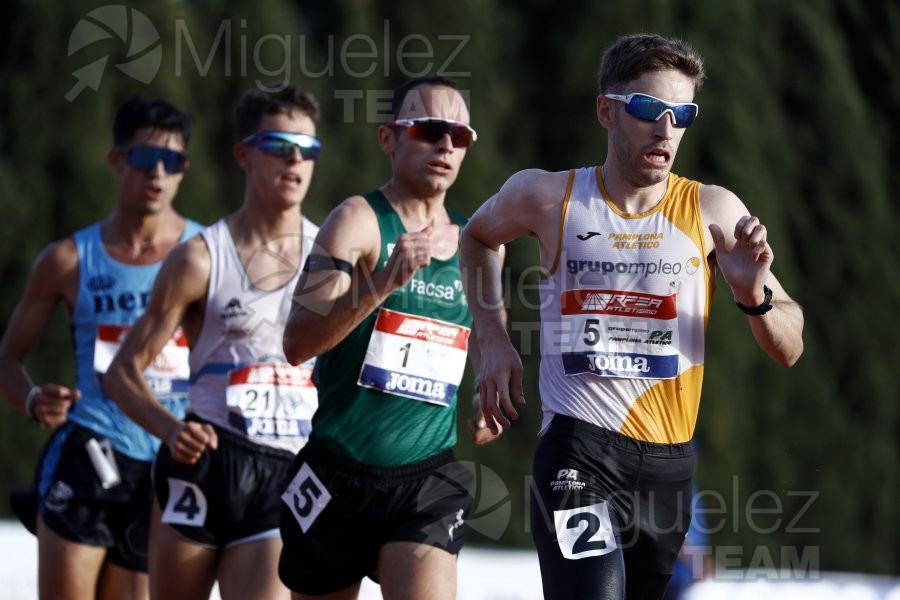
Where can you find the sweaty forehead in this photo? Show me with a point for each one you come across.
(434, 101)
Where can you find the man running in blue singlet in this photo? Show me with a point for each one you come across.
(93, 479)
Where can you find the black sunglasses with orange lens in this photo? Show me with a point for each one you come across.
(432, 129)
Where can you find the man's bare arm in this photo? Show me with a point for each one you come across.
(53, 279)
(744, 256)
(478, 427)
(528, 204)
(329, 304)
(181, 282)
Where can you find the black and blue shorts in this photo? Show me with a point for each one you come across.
(75, 505)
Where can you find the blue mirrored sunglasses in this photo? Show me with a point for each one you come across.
(282, 143)
(649, 108)
(145, 158)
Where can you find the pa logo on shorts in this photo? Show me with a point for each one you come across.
(567, 480)
(567, 474)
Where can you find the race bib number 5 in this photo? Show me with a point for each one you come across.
(619, 334)
(415, 357)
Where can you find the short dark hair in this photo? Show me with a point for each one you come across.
(139, 112)
(632, 55)
(401, 92)
(255, 103)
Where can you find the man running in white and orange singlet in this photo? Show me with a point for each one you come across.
(629, 251)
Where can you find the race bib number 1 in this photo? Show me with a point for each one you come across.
(415, 357)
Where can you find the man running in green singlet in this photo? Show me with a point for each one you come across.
(377, 490)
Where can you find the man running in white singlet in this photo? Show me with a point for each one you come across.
(629, 252)
(218, 479)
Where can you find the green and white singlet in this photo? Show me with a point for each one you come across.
(387, 392)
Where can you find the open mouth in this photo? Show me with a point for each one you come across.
(292, 178)
(440, 166)
(658, 156)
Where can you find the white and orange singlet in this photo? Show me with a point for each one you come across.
(624, 312)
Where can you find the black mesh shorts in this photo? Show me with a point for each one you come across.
(231, 495)
(338, 513)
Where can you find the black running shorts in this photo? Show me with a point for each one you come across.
(230, 496)
(338, 513)
(75, 505)
(609, 513)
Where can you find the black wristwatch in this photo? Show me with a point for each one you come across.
(761, 309)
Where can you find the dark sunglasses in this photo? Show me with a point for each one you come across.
(145, 158)
(432, 129)
(648, 108)
(282, 143)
